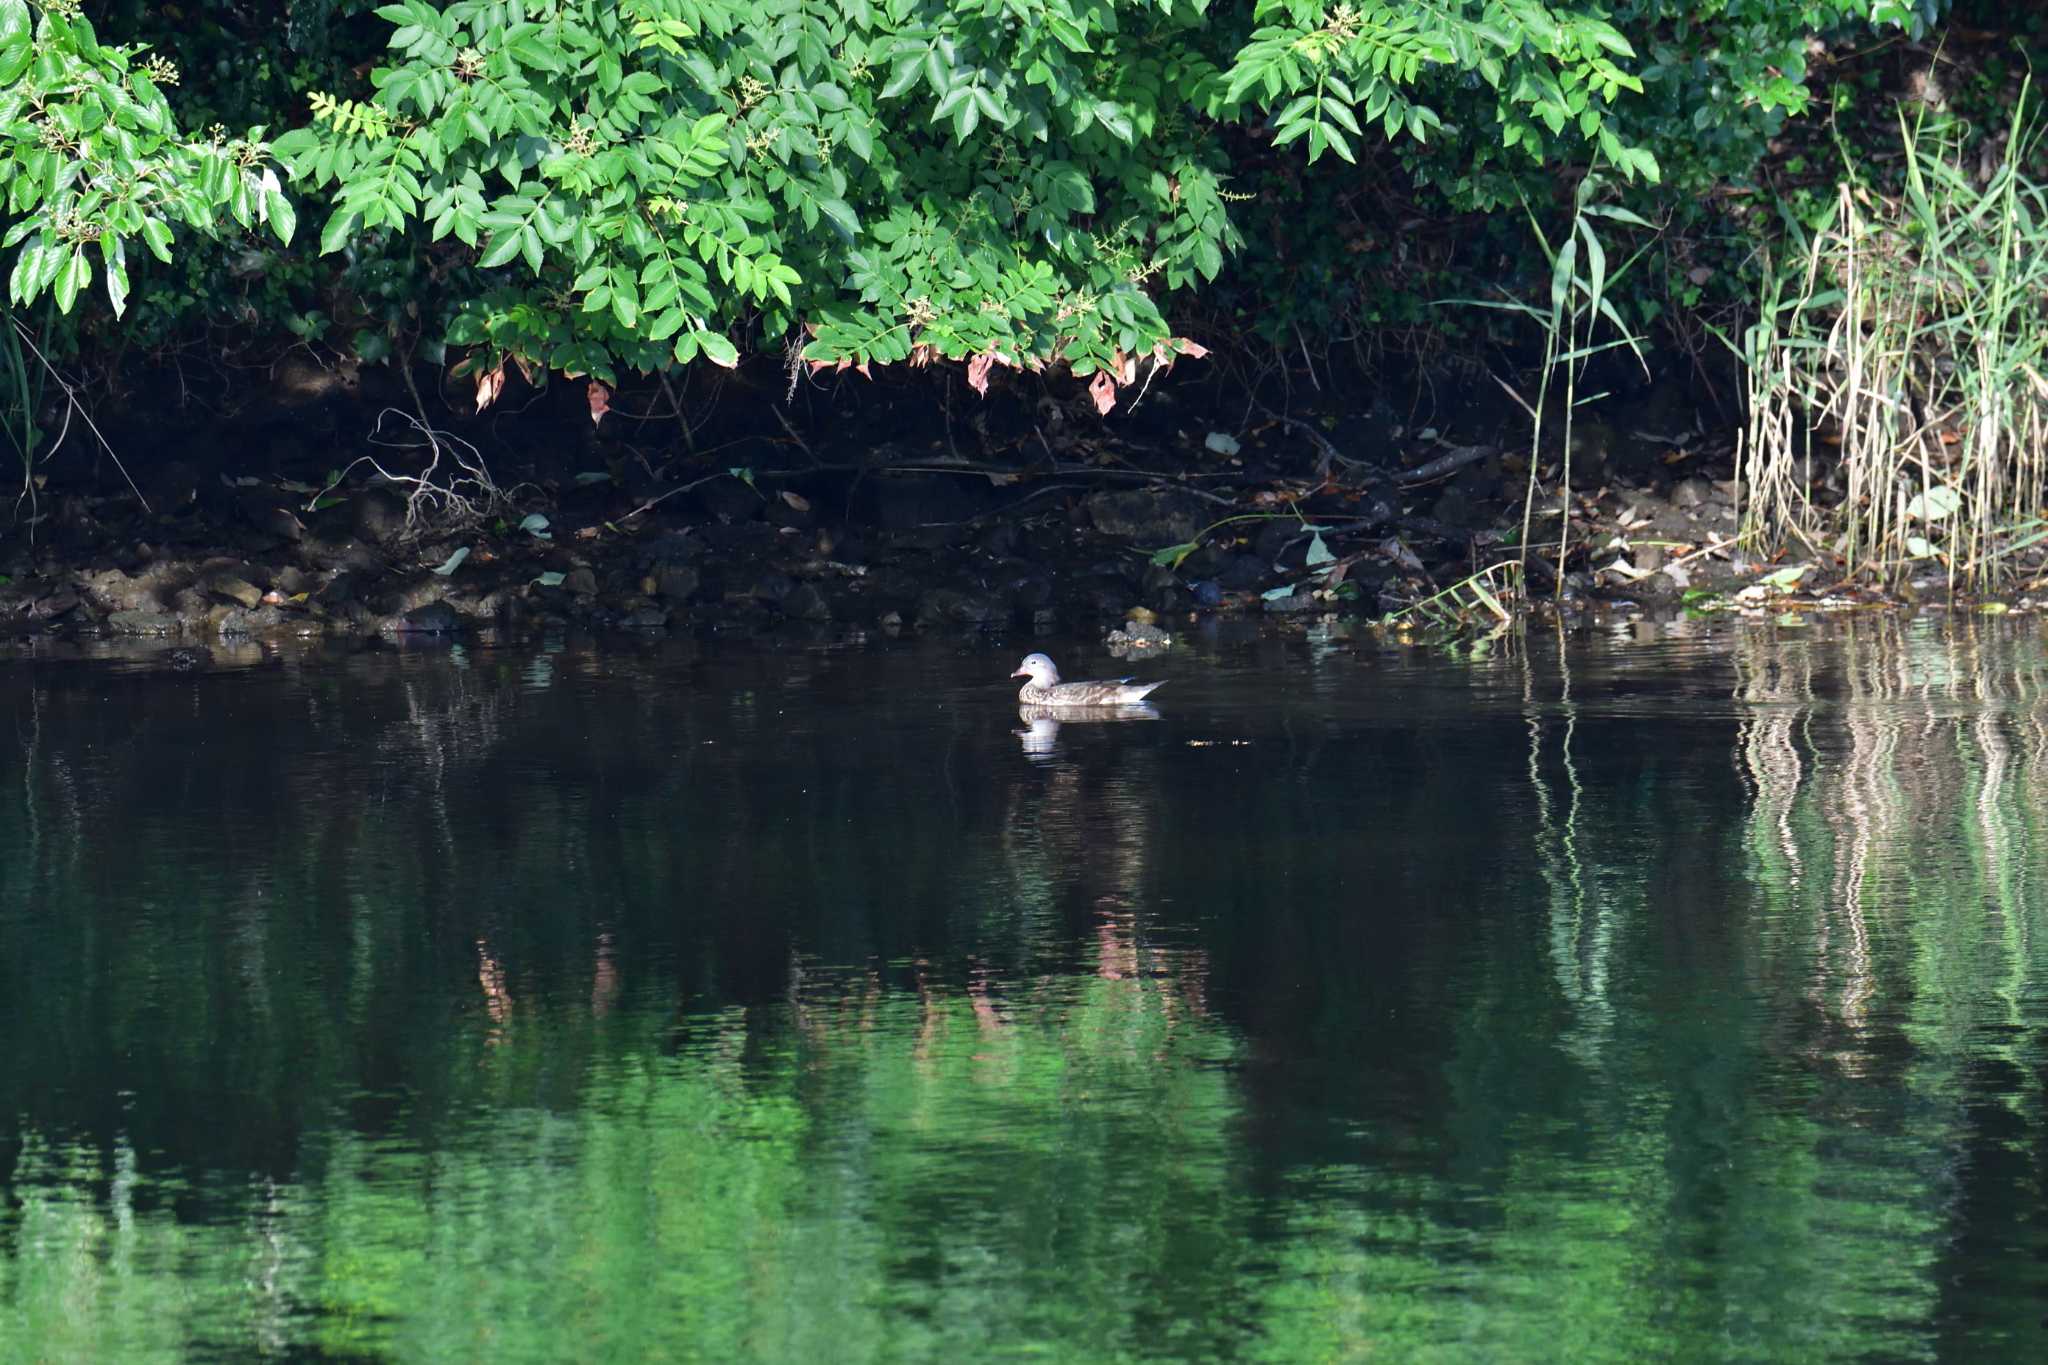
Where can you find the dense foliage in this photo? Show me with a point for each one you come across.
(591, 186)
(91, 158)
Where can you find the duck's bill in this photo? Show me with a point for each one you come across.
(1020, 673)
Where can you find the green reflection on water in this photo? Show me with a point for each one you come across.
(1588, 1005)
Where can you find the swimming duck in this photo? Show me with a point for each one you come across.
(1046, 689)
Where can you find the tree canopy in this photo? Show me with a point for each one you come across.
(597, 186)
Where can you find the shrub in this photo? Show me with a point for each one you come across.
(92, 160)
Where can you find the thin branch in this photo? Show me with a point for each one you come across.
(71, 398)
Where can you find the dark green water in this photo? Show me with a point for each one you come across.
(1681, 997)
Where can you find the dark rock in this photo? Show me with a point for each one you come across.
(999, 541)
(192, 604)
(115, 591)
(897, 587)
(1208, 593)
(142, 623)
(291, 581)
(848, 547)
(429, 618)
(1105, 599)
(1298, 601)
(284, 524)
(772, 586)
(729, 500)
(243, 621)
(55, 605)
(930, 539)
(1137, 636)
(747, 537)
(339, 590)
(1457, 507)
(951, 607)
(1171, 600)
(1242, 573)
(673, 548)
(1657, 587)
(1207, 560)
(1274, 537)
(1154, 517)
(378, 515)
(1693, 492)
(901, 502)
(237, 590)
(352, 555)
(805, 602)
(646, 616)
(1028, 591)
(582, 582)
(677, 582)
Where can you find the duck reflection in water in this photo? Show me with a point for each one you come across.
(1040, 736)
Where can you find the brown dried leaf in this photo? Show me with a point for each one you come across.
(488, 386)
(1102, 389)
(977, 372)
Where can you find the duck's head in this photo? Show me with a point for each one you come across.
(1039, 669)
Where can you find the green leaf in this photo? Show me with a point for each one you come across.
(156, 236)
(20, 286)
(339, 227)
(284, 219)
(1171, 556)
(501, 250)
(17, 46)
(74, 276)
(115, 257)
(718, 349)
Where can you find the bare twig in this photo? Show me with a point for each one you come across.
(794, 434)
(1457, 459)
(653, 503)
(72, 404)
(1329, 452)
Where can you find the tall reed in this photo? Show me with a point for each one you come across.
(1568, 319)
(1908, 335)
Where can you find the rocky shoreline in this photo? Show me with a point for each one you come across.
(1109, 533)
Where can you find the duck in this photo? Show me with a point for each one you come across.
(1044, 687)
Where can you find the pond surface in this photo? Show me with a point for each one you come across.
(1671, 995)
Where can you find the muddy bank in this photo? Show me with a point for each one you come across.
(282, 524)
